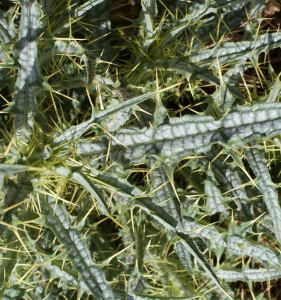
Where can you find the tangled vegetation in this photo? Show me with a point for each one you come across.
(140, 149)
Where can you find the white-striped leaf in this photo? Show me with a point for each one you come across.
(56, 218)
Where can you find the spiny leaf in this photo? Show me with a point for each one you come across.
(215, 200)
(66, 275)
(175, 227)
(149, 8)
(84, 181)
(216, 22)
(185, 256)
(275, 91)
(9, 258)
(5, 30)
(57, 220)
(191, 247)
(234, 51)
(75, 131)
(267, 188)
(25, 107)
(17, 192)
(6, 169)
(157, 213)
(99, 18)
(60, 47)
(195, 134)
(163, 193)
(194, 70)
(239, 246)
(228, 174)
(249, 275)
(209, 233)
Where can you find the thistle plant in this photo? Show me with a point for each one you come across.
(138, 162)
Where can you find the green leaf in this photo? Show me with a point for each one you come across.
(75, 131)
(149, 9)
(228, 174)
(59, 47)
(126, 104)
(162, 191)
(25, 106)
(99, 26)
(187, 244)
(67, 276)
(46, 6)
(5, 30)
(56, 218)
(173, 34)
(275, 91)
(231, 78)
(247, 275)
(215, 22)
(185, 256)
(241, 247)
(185, 65)
(6, 169)
(8, 258)
(84, 8)
(89, 186)
(174, 226)
(215, 200)
(267, 187)
(118, 186)
(235, 51)
(157, 213)
(209, 233)
(195, 134)
(17, 191)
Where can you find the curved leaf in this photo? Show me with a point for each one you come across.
(56, 219)
(267, 188)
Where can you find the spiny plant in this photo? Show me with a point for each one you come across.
(139, 167)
